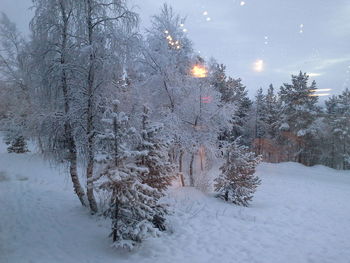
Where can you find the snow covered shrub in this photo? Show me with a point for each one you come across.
(17, 145)
(237, 182)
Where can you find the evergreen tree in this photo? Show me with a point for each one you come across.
(17, 145)
(272, 106)
(299, 112)
(260, 121)
(133, 205)
(338, 119)
(260, 114)
(241, 112)
(237, 182)
(219, 81)
(160, 170)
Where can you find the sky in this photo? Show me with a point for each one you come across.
(260, 41)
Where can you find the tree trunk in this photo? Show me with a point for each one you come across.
(74, 176)
(191, 170)
(180, 161)
(115, 218)
(72, 159)
(89, 125)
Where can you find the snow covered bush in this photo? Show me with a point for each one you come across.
(17, 145)
(237, 182)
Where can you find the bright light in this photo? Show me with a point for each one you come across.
(319, 95)
(166, 31)
(182, 25)
(205, 13)
(208, 19)
(258, 65)
(199, 71)
(184, 30)
(317, 90)
(314, 74)
(242, 3)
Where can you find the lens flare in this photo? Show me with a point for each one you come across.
(258, 65)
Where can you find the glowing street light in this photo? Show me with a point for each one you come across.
(199, 71)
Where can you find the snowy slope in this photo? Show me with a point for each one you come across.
(299, 215)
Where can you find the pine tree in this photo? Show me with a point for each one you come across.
(242, 108)
(237, 182)
(260, 128)
(272, 113)
(260, 114)
(133, 205)
(299, 112)
(338, 119)
(17, 145)
(160, 170)
(219, 81)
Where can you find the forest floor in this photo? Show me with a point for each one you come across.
(298, 215)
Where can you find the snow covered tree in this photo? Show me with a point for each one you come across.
(266, 117)
(218, 79)
(14, 77)
(54, 53)
(133, 205)
(237, 182)
(299, 111)
(272, 106)
(160, 171)
(338, 120)
(242, 107)
(99, 24)
(18, 145)
(187, 105)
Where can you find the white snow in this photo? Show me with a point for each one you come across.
(299, 215)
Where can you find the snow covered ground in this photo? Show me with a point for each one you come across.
(299, 214)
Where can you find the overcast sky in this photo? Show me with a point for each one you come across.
(287, 35)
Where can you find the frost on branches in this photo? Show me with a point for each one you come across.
(160, 170)
(132, 205)
(237, 182)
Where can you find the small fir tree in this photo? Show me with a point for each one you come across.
(17, 145)
(160, 169)
(133, 205)
(237, 182)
